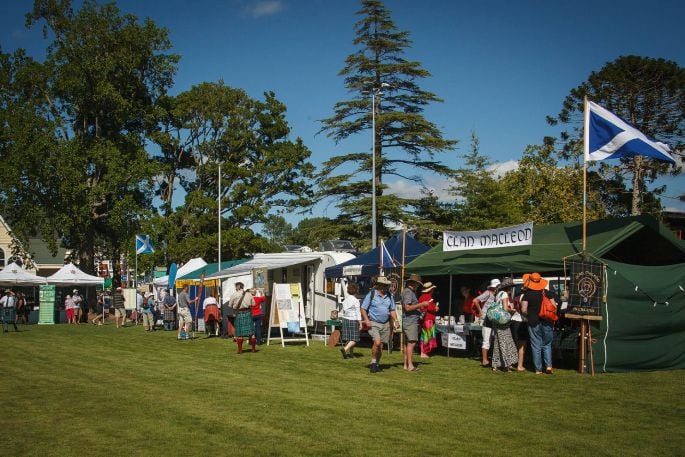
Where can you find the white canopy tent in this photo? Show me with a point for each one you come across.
(69, 275)
(14, 275)
(190, 266)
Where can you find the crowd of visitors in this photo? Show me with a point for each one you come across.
(508, 320)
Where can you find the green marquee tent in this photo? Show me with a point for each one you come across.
(643, 325)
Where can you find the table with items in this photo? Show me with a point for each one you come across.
(453, 335)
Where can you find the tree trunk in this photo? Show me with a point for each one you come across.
(636, 208)
(86, 254)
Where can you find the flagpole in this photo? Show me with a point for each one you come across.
(135, 273)
(404, 246)
(586, 150)
(219, 200)
(380, 258)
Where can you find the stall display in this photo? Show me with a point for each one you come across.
(46, 310)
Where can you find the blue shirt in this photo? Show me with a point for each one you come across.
(378, 308)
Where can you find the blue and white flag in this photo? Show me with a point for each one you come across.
(386, 259)
(144, 244)
(607, 136)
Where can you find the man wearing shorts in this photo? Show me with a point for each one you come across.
(377, 309)
(411, 319)
(119, 309)
(184, 316)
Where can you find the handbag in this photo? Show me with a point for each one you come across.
(548, 310)
(497, 314)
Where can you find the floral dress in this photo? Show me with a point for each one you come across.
(428, 341)
(504, 353)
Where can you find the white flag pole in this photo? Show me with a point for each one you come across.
(135, 274)
(219, 216)
(586, 152)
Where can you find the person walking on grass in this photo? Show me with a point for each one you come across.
(99, 310)
(184, 316)
(8, 304)
(242, 302)
(411, 319)
(377, 310)
(119, 301)
(148, 312)
(258, 312)
(351, 320)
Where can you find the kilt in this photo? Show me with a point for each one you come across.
(350, 330)
(8, 314)
(244, 326)
(169, 314)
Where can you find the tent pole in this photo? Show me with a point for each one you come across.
(449, 317)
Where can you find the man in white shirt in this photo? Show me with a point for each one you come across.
(8, 303)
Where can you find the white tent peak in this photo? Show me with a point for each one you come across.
(14, 275)
(70, 274)
(188, 267)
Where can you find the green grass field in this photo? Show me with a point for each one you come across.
(86, 390)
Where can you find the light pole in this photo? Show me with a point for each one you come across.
(374, 92)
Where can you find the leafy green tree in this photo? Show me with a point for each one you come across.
(312, 231)
(278, 230)
(262, 170)
(482, 202)
(545, 193)
(406, 142)
(92, 103)
(650, 94)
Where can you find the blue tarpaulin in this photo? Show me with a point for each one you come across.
(368, 262)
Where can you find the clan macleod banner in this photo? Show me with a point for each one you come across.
(517, 235)
(586, 287)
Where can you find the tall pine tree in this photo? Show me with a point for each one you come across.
(406, 142)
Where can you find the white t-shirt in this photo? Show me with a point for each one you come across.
(209, 301)
(351, 309)
(69, 303)
(8, 301)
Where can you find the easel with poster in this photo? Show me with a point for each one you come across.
(287, 312)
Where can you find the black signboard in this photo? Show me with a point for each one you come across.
(586, 287)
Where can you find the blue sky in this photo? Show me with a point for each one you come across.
(500, 66)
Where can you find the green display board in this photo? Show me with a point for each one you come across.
(46, 299)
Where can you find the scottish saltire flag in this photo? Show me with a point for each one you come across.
(386, 258)
(607, 136)
(144, 244)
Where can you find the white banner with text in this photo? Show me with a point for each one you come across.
(517, 235)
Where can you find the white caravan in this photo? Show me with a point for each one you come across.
(307, 268)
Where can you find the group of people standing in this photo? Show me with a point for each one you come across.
(509, 340)
(377, 313)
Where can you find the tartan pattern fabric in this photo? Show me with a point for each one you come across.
(350, 330)
(169, 314)
(244, 326)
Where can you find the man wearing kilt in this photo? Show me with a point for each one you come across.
(242, 302)
(351, 320)
(8, 303)
(169, 302)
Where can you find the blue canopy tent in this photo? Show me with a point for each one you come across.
(368, 264)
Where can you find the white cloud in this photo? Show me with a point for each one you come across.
(500, 169)
(264, 8)
(408, 189)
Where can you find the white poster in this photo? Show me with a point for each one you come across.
(352, 270)
(453, 340)
(517, 235)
